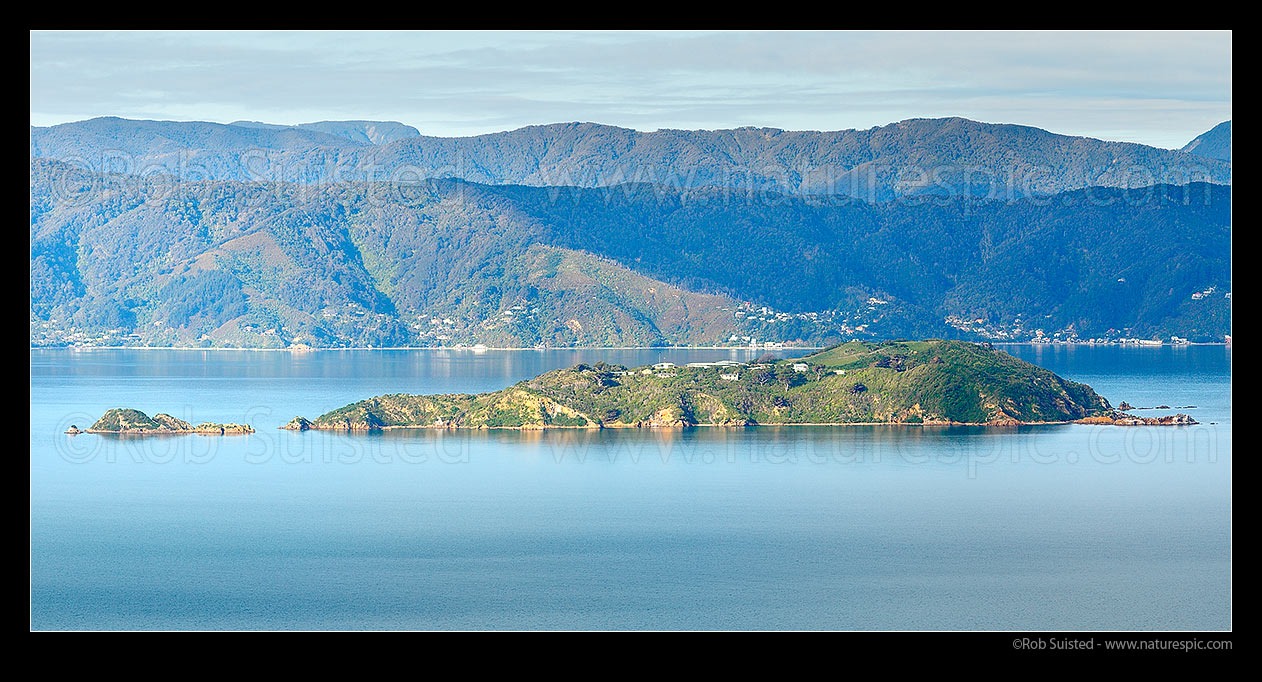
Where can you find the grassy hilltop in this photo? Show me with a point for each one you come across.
(893, 382)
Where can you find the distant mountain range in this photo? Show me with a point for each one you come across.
(951, 156)
(1213, 144)
(365, 132)
(117, 258)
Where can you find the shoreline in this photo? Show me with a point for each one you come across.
(1086, 421)
(659, 427)
(1119, 345)
(580, 348)
(138, 432)
(430, 348)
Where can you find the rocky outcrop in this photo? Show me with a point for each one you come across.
(1003, 420)
(297, 424)
(670, 417)
(223, 429)
(1121, 419)
(170, 423)
(123, 420)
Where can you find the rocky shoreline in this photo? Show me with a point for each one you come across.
(133, 422)
(301, 424)
(1121, 419)
(934, 382)
(126, 421)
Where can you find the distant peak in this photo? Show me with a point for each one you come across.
(363, 131)
(1214, 143)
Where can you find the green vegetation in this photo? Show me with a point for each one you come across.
(230, 264)
(134, 422)
(122, 418)
(894, 382)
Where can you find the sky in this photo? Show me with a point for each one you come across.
(1156, 88)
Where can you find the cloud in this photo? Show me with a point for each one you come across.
(1161, 88)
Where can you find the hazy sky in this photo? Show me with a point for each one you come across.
(1159, 88)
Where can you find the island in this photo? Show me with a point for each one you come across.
(122, 420)
(895, 382)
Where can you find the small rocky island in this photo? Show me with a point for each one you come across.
(134, 422)
(896, 382)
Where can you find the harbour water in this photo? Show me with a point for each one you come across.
(1057, 527)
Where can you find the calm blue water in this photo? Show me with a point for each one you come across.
(1069, 527)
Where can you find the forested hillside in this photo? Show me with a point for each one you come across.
(120, 259)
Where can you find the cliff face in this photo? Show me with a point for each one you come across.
(925, 382)
(128, 421)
